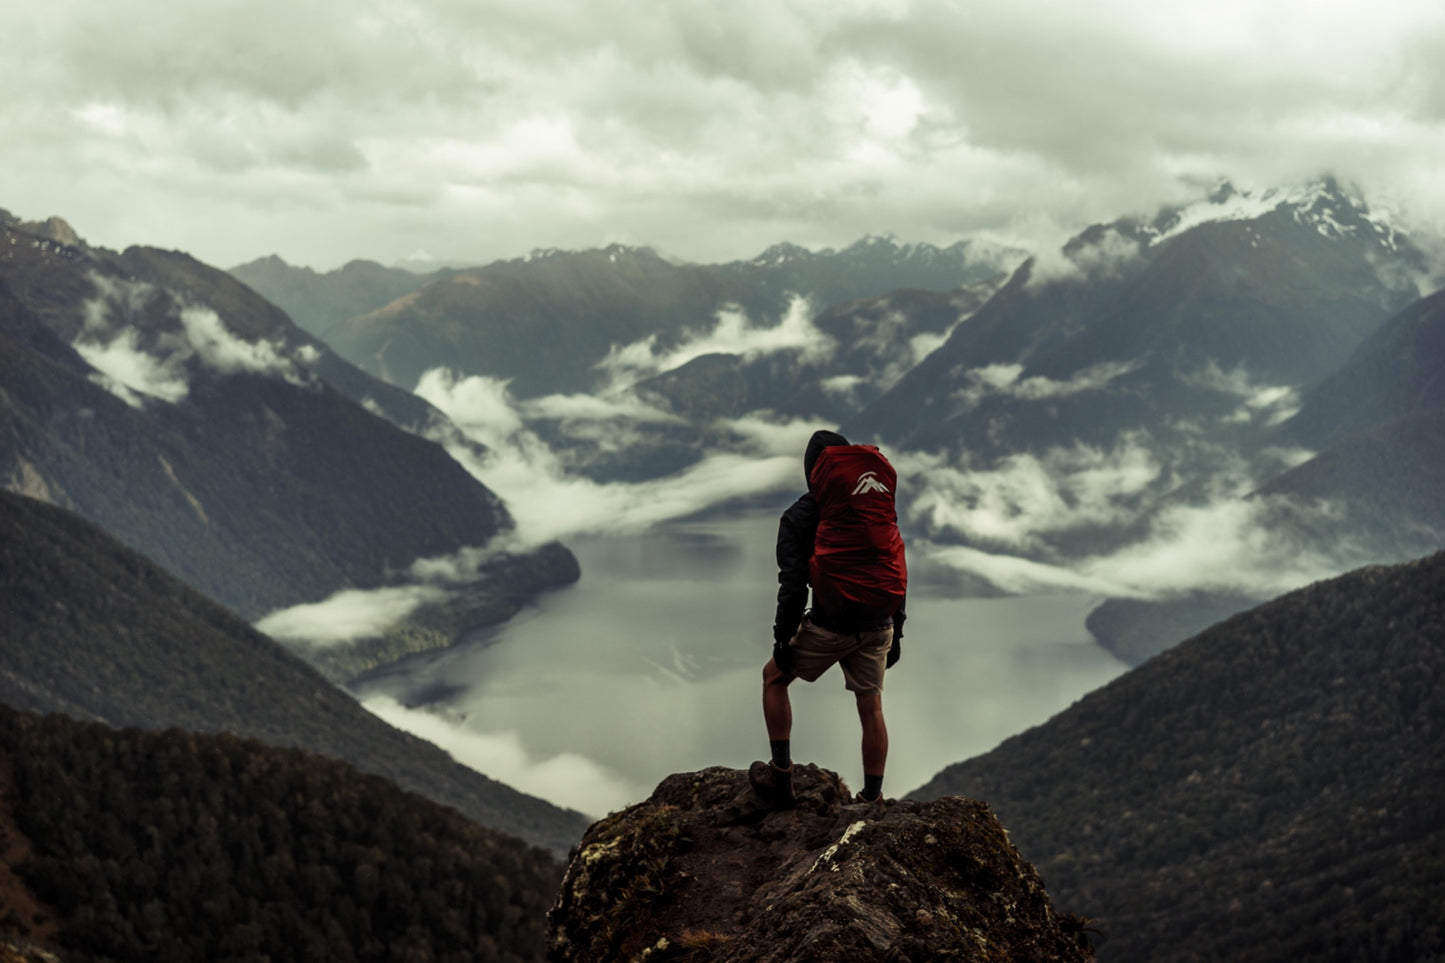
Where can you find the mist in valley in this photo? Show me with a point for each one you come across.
(651, 663)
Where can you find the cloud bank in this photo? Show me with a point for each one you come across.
(566, 779)
(477, 131)
(548, 502)
(1024, 499)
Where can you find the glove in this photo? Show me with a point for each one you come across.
(895, 652)
(783, 656)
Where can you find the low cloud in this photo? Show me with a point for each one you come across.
(1011, 573)
(1239, 545)
(135, 360)
(733, 334)
(1263, 403)
(581, 408)
(1059, 256)
(348, 615)
(565, 779)
(129, 373)
(1024, 498)
(459, 568)
(1027, 520)
(1235, 544)
(352, 614)
(219, 349)
(548, 502)
(1003, 380)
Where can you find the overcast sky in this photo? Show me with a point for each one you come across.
(324, 130)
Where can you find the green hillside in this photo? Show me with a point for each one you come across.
(1270, 790)
(97, 631)
(177, 847)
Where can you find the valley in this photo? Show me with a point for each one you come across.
(504, 534)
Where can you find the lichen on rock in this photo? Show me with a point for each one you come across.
(702, 871)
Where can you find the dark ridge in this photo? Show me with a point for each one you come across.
(1271, 789)
(178, 846)
(95, 630)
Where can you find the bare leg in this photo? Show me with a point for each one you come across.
(875, 733)
(777, 707)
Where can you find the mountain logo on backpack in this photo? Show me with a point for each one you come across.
(868, 482)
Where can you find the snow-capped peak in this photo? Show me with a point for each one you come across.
(1317, 203)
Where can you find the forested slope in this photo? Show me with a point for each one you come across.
(174, 846)
(1272, 789)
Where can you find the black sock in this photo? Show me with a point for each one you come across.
(782, 753)
(872, 787)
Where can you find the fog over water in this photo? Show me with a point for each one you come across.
(652, 663)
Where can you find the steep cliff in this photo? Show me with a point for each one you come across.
(701, 871)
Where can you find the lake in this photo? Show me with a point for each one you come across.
(651, 664)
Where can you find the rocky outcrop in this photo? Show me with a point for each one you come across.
(701, 871)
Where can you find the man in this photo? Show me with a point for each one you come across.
(841, 539)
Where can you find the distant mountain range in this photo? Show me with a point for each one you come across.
(96, 631)
(545, 321)
(319, 301)
(1191, 357)
(1141, 324)
(1268, 790)
(1380, 419)
(189, 417)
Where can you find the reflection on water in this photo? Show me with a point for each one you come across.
(652, 663)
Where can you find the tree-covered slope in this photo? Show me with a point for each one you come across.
(175, 846)
(1270, 790)
(97, 631)
(170, 404)
(1397, 371)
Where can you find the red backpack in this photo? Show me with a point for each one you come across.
(858, 567)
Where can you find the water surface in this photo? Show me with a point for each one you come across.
(651, 664)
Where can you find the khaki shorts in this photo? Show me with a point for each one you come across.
(863, 655)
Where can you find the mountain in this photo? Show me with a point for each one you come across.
(170, 404)
(701, 871)
(548, 320)
(1398, 371)
(1380, 419)
(1165, 325)
(1386, 480)
(543, 321)
(869, 268)
(1268, 790)
(320, 301)
(855, 351)
(131, 845)
(96, 631)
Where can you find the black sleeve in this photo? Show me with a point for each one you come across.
(796, 530)
(899, 617)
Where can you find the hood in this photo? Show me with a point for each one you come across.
(821, 439)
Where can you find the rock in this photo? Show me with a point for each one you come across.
(701, 871)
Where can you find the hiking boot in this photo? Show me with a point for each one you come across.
(772, 785)
(861, 800)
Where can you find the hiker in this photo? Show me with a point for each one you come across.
(841, 539)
